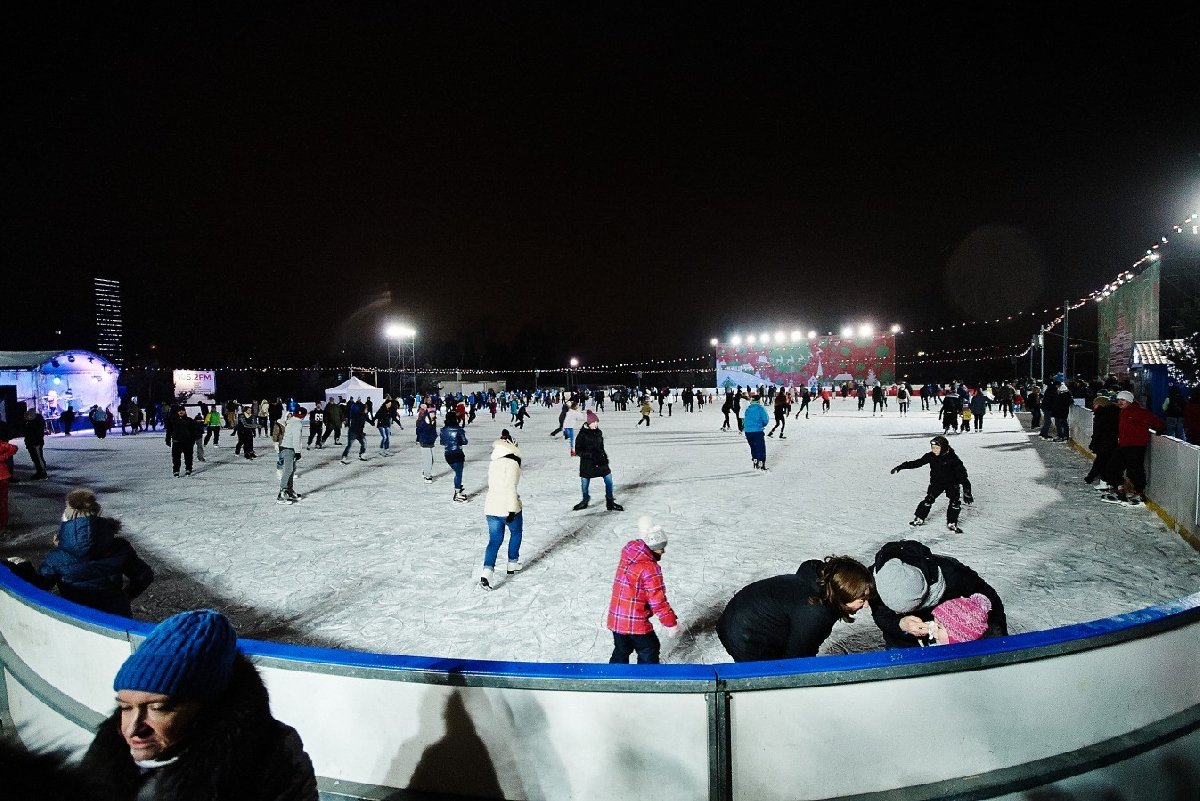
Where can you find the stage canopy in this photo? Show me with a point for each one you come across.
(49, 380)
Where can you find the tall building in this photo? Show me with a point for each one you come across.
(109, 335)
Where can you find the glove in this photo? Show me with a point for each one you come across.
(968, 499)
(296, 458)
(511, 517)
(895, 470)
(672, 631)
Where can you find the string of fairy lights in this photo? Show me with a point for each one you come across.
(1133, 271)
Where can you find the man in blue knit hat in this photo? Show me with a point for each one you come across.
(193, 720)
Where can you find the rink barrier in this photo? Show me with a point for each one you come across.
(1091, 704)
(1172, 476)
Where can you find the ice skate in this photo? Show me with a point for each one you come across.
(428, 479)
(781, 436)
(485, 578)
(953, 527)
(514, 566)
(293, 495)
(362, 458)
(580, 506)
(283, 500)
(612, 505)
(917, 521)
(344, 460)
(1118, 498)
(459, 496)
(176, 474)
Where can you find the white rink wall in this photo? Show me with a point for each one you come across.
(1107, 704)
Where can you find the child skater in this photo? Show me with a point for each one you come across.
(645, 410)
(967, 415)
(958, 620)
(947, 474)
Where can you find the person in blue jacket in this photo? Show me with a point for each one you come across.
(89, 562)
(753, 423)
(453, 438)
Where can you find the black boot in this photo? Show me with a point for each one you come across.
(581, 505)
(612, 505)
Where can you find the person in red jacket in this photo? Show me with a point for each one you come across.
(639, 593)
(7, 451)
(1133, 437)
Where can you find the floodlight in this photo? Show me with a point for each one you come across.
(714, 342)
(812, 334)
(765, 337)
(847, 331)
(797, 336)
(750, 339)
(779, 337)
(574, 362)
(735, 340)
(895, 328)
(865, 330)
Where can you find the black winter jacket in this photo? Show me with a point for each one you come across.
(589, 447)
(235, 751)
(961, 582)
(945, 470)
(1058, 404)
(180, 429)
(774, 619)
(1105, 422)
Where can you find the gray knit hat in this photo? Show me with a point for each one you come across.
(901, 586)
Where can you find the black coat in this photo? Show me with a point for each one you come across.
(235, 752)
(1104, 429)
(589, 447)
(1058, 404)
(180, 429)
(775, 618)
(945, 470)
(961, 582)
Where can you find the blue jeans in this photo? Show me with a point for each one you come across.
(758, 445)
(350, 437)
(584, 483)
(496, 526)
(646, 645)
(1046, 421)
(1175, 428)
(385, 437)
(569, 433)
(1061, 428)
(457, 467)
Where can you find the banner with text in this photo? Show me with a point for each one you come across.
(195, 382)
(822, 360)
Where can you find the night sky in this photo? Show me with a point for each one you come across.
(525, 183)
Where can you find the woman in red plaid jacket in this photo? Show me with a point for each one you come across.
(639, 593)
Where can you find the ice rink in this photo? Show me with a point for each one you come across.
(374, 559)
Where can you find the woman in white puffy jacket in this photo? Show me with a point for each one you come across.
(502, 506)
(572, 422)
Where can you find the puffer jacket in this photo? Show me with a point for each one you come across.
(756, 418)
(7, 451)
(293, 434)
(1135, 424)
(945, 469)
(589, 447)
(236, 751)
(427, 433)
(89, 565)
(452, 439)
(779, 617)
(504, 474)
(574, 420)
(638, 592)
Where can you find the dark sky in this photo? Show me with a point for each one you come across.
(607, 181)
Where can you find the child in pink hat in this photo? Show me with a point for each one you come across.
(959, 620)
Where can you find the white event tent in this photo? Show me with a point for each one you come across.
(355, 388)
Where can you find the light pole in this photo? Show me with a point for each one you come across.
(401, 333)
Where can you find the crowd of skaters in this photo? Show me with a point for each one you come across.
(915, 597)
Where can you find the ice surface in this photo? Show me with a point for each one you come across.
(374, 559)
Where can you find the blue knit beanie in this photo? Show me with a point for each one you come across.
(188, 656)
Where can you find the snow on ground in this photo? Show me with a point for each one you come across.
(373, 559)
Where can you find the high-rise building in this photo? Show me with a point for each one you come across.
(109, 336)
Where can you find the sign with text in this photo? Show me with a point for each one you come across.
(195, 382)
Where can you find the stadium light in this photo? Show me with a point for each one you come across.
(895, 328)
(797, 336)
(714, 342)
(812, 334)
(750, 339)
(779, 337)
(865, 330)
(735, 340)
(766, 337)
(847, 331)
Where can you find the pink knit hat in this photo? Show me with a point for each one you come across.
(964, 619)
(592, 418)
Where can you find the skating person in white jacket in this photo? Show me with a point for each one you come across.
(502, 506)
(289, 452)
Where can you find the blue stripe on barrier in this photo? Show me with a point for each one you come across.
(1177, 612)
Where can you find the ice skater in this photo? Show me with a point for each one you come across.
(645, 409)
(805, 398)
(782, 409)
(753, 423)
(502, 507)
(947, 474)
(427, 437)
(593, 463)
(453, 438)
(638, 594)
